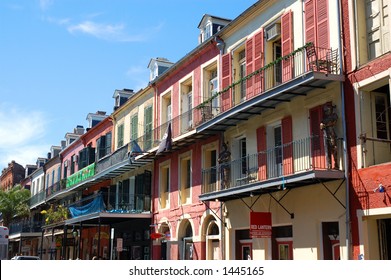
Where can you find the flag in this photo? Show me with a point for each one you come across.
(136, 148)
(166, 143)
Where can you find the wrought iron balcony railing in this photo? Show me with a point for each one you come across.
(277, 162)
(38, 198)
(301, 61)
(25, 226)
(111, 203)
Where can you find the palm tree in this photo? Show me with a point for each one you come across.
(14, 203)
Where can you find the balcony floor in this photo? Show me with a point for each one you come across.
(292, 181)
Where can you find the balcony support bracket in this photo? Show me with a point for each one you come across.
(278, 201)
(333, 193)
(252, 204)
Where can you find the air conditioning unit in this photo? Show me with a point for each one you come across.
(273, 32)
(66, 163)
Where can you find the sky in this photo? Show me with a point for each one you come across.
(63, 59)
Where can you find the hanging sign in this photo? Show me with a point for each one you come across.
(260, 224)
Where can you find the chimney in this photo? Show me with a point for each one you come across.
(79, 130)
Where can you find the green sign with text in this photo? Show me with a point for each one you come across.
(81, 175)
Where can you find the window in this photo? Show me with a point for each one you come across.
(86, 157)
(243, 155)
(186, 105)
(207, 31)
(120, 136)
(381, 116)
(166, 108)
(103, 145)
(239, 72)
(185, 179)
(164, 189)
(377, 27)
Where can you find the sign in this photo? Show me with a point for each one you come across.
(120, 243)
(260, 224)
(81, 175)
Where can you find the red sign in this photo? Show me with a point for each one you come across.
(260, 224)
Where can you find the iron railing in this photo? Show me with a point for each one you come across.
(114, 203)
(25, 226)
(277, 162)
(301, 61)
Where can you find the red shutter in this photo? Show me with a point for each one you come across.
(317, 145)
(322, 22)
(226, 81)
(317, 23)
(249, 67)
(258, 63)
(287, 138)
(286, 45)
(309, 13)
(261, 147)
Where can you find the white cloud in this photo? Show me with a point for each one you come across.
(105, 31)
(45, 4)
(21, 135)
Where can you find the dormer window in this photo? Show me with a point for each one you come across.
(210, 25)
(207, 31)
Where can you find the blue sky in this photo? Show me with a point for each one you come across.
(63, 59)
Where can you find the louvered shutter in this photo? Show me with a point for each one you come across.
(226, 81)
(317, 23)
(287, 138)
(261, 148)
(322, 22)
(249, 67)
(258, 63)
(309, 7)
(286, 45)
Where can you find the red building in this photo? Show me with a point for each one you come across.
(366, 35)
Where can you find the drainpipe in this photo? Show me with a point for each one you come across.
(221, 45)
(345, 154)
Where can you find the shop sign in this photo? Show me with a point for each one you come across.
(81, 175)
(260, 224)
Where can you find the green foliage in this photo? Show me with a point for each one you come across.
(14, 203)
(55, 214)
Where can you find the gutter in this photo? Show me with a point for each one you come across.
(347, 215)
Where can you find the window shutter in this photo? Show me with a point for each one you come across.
(261, 148)
(249, 66)
(258, 62)
(287, 144)
(309, 7)
(317, 23)
(286, 45)
(322, 24)
(91, 155)
(226, 81)
(108, 143)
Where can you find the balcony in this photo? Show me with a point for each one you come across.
(109, 205)
(280, 81)
(305, 69)
(25, 228)
(296, 164)
(37, 199)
